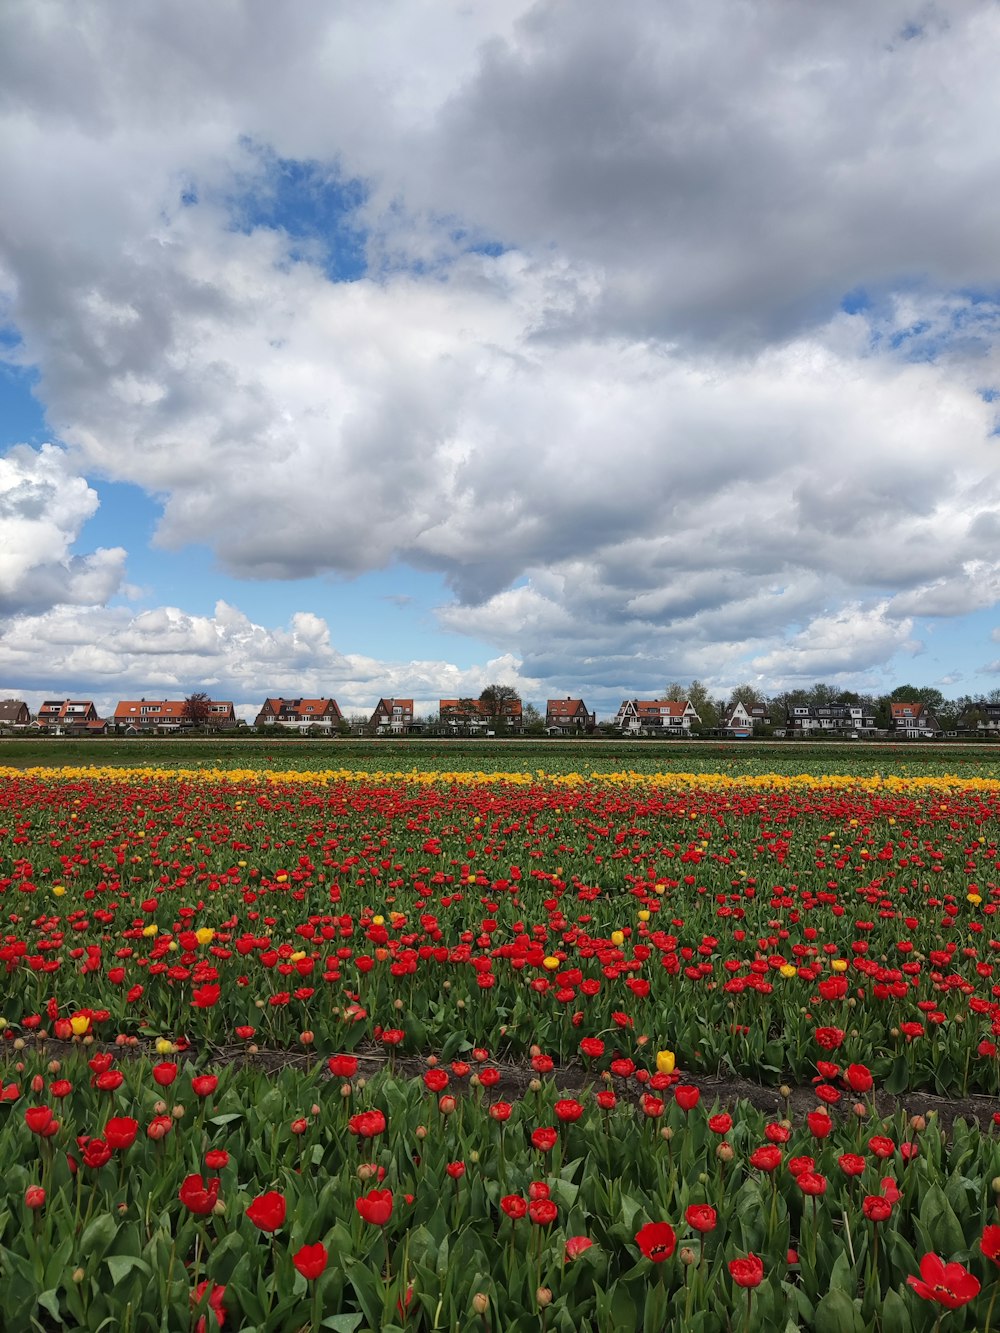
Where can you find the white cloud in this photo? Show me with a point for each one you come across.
(43, 507)
(110, 654)
(644, 440)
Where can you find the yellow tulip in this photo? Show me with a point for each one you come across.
(149, 931)
(839, 965)
(59, 889)
(787, 970)
(164, 1047)
(550, 963)
(617, 938)
(644, 915)
(973, 898)
(205, 935)
(665, 1062)
(79, 1023)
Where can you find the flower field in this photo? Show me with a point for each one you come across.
(195, 962)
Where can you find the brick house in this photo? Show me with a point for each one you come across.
(393, 717)
(301, 714)
(65, 716)
(568, 717)
(14, 714)
(913, 719)
(165, 715)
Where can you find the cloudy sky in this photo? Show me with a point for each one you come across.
(397, 346)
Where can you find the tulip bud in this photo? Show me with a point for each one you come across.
(421, 1131)
(544, 1297)
(918, 1123)
(724, 1152)
(253, 1048)
(346, 1089)
(480, 1302)
(178, 1113)
(361, 1083)
(702, 1177)
(859, 1110)
(785, 1091)
(474, 1156)
(78, 1275)
(219, 1208)
(995, 1184)
(688, 1256)
(535, 1085)
(18, 1043)
(397, 1004)
(54, 1066)
(447, 1105)
(666, 1133)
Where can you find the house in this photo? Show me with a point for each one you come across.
(568, 717)
(167, 715)
(830, 717)
(471, 717)
(913, 719)
(655, 717)
(737, 720)
(465, 717)
(301, 714)
(393, 717)
(14, 714)
(70, 716)
(980, 716)
(138, 715)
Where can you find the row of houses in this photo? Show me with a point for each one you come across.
(391, 717)
(471, 717)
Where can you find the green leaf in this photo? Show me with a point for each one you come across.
(342, 1323)
(837, 1313)
(49, 1301)
(895, 1315)
(221, 1120)
(898, 1077)
(943, 1227)
(120, 1265)
(98, 1235)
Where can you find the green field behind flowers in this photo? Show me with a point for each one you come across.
(862, 758)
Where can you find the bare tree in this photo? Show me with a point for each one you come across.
(198, 708)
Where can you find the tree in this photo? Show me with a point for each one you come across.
(497, 700)
(747, 695)
(197, 708)
(706, 708)
(534, 721)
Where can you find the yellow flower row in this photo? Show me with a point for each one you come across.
(945, 783)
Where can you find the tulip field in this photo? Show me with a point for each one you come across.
(432, 1049)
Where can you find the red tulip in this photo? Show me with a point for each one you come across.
(876, 1208)
(34, 1197)
(576, 1245)
(514, 1206)
(657, 1241)
(204, 1085)
(543, 1212)
(950, 1285)
(748, 1272)
(686, 1096)
(267, 1212)
(310, 1260)
(701, 1217)
(375, 1207)
(120, 1132)
(164, 1073)
(199, 1195)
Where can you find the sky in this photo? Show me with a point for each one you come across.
(397, 347)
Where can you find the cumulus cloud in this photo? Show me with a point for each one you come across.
(113, 653)
(672, 348)
(43, 507)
